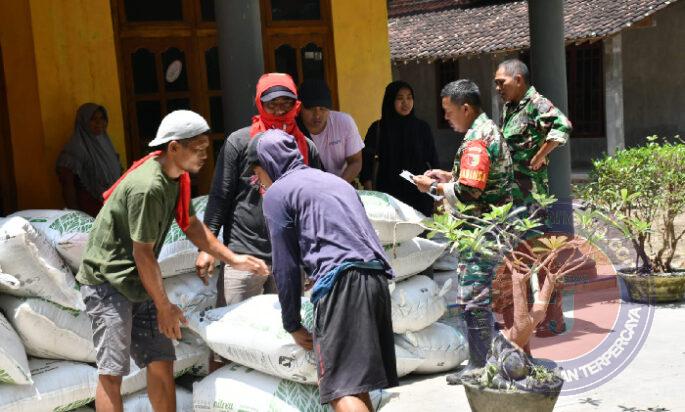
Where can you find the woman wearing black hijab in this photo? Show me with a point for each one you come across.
(399, 141)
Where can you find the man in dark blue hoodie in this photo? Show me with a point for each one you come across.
(317, 221)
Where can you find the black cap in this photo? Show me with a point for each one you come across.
(315, 93)
(251, 155)
(276, 91)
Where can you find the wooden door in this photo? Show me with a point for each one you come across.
(298, 41)
(8, 191)
(168, 59)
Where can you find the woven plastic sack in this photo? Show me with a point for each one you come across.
(57, 386)
(251, 333)
(32, 260)
(235, 387)
(394, 221)
(441, 347)
(14, 366)
(416, 303)
(67, 231)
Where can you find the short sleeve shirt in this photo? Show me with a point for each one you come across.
(497, 189)
(339, 140)
(141, 209)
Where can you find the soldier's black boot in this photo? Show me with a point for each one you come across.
(479, 323)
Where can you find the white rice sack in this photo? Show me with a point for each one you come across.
(452, 276)
(412, 257)
(32, 260)
(178, 253)
(251, 333)
(57, 386)
(416, 303)
(449, 259)
(407, 362)
(190, 359)
(50, 331)
(190, 294)
(393, 220)
(8, 282)
(235, 387)
(14, 366)
(67, 231)
(441, 347)
(139, 401)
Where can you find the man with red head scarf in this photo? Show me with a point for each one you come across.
(235, 199)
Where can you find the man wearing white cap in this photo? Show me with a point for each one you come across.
(131, 315)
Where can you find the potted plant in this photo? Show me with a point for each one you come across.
(512, 380)
(639, 192)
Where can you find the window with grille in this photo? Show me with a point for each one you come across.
(585, 78)
(446, 71)
(585, 85)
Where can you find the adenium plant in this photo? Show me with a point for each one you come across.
(507, 236)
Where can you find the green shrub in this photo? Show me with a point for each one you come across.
(640, 192)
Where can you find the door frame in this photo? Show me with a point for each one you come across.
(8, 185)
(192, 31)
(296, 33)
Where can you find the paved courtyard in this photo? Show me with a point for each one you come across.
(653, 381)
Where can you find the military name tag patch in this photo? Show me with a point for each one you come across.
(474, 165)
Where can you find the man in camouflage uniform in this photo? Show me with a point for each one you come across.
(532, 127)
(482, 176)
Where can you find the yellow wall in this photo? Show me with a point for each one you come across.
(70, 56)
(362, 57)
(25, 121)
(76, 63)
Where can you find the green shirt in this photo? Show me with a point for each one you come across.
(526, 125)
(141, 209)
(497, 189)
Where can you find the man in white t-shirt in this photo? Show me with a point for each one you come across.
(335, 133)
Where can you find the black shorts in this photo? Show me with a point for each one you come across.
(353, 337)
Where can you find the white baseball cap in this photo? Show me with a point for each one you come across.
(179, 125)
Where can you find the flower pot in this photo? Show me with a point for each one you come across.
(655, 287)
(483, 399)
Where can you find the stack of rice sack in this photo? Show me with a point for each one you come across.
(423, 345)
(268, 370)
(47, 355)
(445, 270)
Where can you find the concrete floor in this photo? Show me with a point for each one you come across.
(654, 381)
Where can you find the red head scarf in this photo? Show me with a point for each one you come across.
(265, 121)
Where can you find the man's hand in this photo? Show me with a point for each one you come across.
(249, 264)
(169, 320)
(423, 182)
(540, 158)
(441, 176)
(537, 162)
(204, 266)
(303, 338)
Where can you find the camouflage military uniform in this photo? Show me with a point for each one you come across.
(475, 273)
(526, 126)
(500, 179)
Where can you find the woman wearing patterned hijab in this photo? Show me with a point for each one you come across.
(88, 165)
